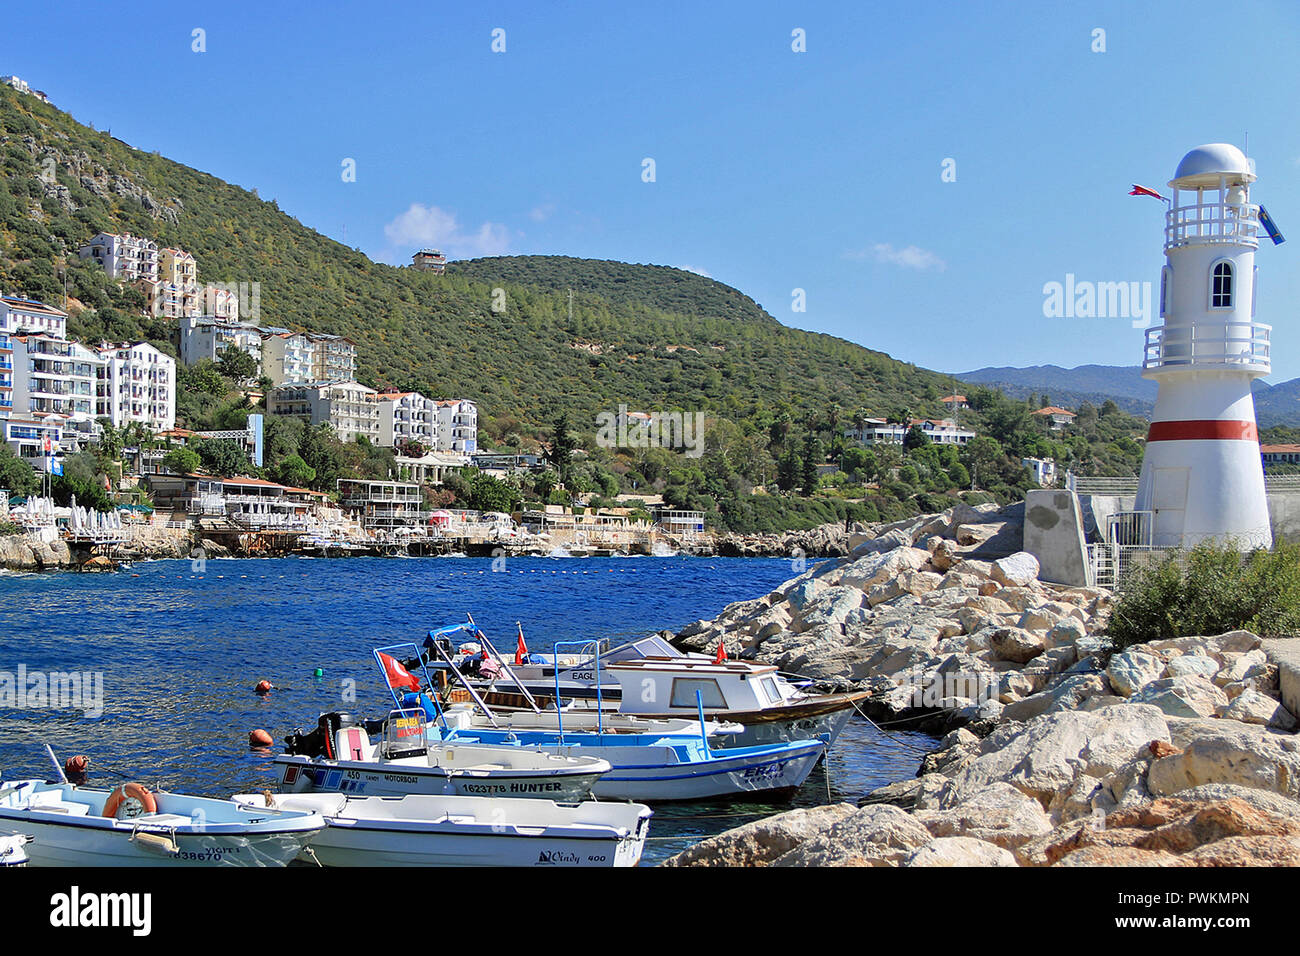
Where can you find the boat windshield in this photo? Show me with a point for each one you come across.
(639, 650)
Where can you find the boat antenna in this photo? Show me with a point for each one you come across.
(57, 766)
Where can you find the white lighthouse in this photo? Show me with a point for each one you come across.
(1201, 475)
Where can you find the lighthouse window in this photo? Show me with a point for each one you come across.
(1221, 286)
(1164, 288)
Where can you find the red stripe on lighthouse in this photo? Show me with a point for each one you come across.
(1203, 430)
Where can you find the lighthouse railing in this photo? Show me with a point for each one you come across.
(1244, 344)
(1212, 222)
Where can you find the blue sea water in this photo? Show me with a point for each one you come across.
(179, 649)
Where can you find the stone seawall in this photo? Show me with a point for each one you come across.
(1059, 750)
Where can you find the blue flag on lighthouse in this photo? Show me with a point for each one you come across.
(1270, 227)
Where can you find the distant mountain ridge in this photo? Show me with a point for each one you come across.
(1124, 385)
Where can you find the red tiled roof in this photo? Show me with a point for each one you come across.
(1054, 410)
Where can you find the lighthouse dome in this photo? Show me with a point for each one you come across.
(1202, 167)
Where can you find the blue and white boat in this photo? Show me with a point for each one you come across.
(652, 767)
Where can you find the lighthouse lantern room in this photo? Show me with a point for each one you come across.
(1201, 475)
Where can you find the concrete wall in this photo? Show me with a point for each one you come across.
(1054, 535)
(1284, 515)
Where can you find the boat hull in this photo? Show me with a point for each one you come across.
(737, 772)
(356, 778)
(366, 844)
(74, 843)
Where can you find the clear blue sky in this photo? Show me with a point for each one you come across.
(775, 170)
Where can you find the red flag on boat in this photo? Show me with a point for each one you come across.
(521, 649)
(722, 652)
(1143, 191)
(398, 676)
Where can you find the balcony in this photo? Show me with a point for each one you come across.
(1238, 347)
(1212, 223)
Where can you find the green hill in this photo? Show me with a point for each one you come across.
(649, 336)
(529, 338)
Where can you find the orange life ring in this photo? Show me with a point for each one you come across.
(117, 800)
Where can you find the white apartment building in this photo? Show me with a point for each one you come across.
(941, 431)
(137, 384)
(1043, 469)
(406, 417)
(219, 303)
(206, 337)
(27, 315)
(348, 407)
(457, 426)
(124, 257)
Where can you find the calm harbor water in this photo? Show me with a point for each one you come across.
(179, 649)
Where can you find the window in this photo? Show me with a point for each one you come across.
(1221, 285)
(684, 689)
(1164, 288)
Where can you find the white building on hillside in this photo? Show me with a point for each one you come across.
(457, 426)
(137, 383)
(206, 337)
(27, 315)
(348, 407)
(406, 417)
(124, 257)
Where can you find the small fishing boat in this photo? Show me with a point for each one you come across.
(71, 825)
(423, 830)
(645, 766)
(339, 756)
(654, 680)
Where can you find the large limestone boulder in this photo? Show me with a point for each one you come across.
(865, 573)
(1015, 570)
(1252, 707)
(1016, 645)
(876, 835)
(1226, 751)
(1190, 696)
(763, 841)
(1130, 671)
(1046, 755)
(1189, 665)
(960, 851)
(999, 814)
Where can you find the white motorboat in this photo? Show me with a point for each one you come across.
(339, 756)
(422, 830)
(129, 826)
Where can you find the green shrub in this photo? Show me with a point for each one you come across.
(1214, 589)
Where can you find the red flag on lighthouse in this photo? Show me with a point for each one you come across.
(521, 649)
(1143, 191)
(398, 676)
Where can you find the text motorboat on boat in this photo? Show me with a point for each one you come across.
(71, 825)
(423, 830)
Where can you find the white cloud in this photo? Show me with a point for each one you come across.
(697, 270)
(909, 257)
(424, 225)
(542, 213)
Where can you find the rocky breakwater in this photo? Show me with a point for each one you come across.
(922, 615)
(827, 540)
(1065, 751)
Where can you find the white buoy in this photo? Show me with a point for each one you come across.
(1201, 474)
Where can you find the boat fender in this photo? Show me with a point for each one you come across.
(157, 842)
(76, 768)
(128, 801)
